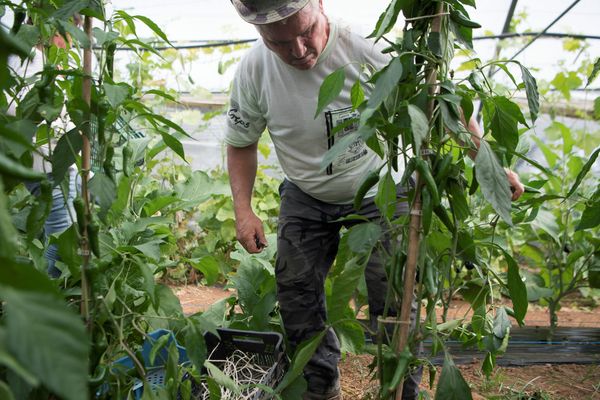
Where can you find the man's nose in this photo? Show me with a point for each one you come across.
(298, 48)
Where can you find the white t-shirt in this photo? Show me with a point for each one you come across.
(267, 93)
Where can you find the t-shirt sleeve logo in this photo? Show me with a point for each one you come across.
(236, 118)
(340, 123)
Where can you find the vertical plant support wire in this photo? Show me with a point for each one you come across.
(414, 230)
(85, 169)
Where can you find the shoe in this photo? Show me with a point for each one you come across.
(335, 394)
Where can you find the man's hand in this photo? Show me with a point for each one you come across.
(516, 186)
(250, 232)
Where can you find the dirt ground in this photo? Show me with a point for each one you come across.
(539, 382)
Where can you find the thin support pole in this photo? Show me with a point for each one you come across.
(414, 228)
(85, 169)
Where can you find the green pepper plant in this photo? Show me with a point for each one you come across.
(415, 119)
(122, 239)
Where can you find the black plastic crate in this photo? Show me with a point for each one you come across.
(265, 348)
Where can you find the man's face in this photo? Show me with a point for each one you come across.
(299, 39)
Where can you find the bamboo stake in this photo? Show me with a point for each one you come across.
(86, 153)
(414, 229)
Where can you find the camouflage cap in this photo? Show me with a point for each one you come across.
(260, 12)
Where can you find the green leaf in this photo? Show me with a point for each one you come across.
(174, 144)
(338, 148)
(493, 181)
(219, 377)
(65, 154)
(501, 323)
(565, 82)
(200, 187)
(116, 94)
(452, 385)
(7, 360)
(363, 237)
(76, 33)
(150, 249)
(533, 95)
(351, 336)
(597, 108)
(357, 94)
(152, 118)
(504, 122)
(29, 36)
(301, 357)
(19, 135)
(590, 217)
(69, 8)
(386, 83)
(209, 267)
(387, 19)
(8, 244)
(330, 89)
(152, 25)
(586, 168)
(295, 390)
(594, 72)
(343, 287)
(69, 254)
(103, 37)
(162, 94)
(14, 169)
(195, 344)
(169, 303)
(104, 191)
(419, 125)
(386, 196)
(48, 337)
(516, 289)
(488, 364)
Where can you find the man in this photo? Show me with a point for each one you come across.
(276, 87)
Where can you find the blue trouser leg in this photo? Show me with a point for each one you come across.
(59, 218)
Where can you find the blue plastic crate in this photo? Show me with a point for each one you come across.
(155, 375)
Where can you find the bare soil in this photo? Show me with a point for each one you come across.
(543, 382)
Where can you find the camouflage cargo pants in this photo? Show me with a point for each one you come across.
(307, 243)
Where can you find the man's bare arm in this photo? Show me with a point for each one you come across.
(242, 164)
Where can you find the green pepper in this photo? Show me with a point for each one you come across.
(107, 165)
(79, 207)
(93, 230)
(99, 375)
(369, 181)
(127, 160)
(443, 216)
(110, 58)
(425, 171)
(426, 210)
(401, 368)
(399, 259)
(461, 19)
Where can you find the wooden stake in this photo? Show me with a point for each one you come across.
(86, 156)
(414, 228)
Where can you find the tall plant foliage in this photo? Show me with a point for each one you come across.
(45, 347)
(415, 120)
